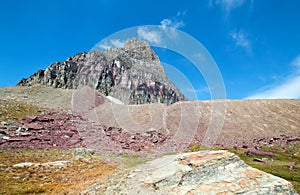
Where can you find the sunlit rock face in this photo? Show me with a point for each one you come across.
(132, 74)
(202, 172)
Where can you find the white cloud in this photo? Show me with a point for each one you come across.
(112, 43)
(181, 13)
(296, 64)
(151, 36)
(231, 4)
(117, 43)
(165, 23)
(241, 40)
(103, 46)
(288, 89)
(171, 23)
(227, 5)
(154, 36)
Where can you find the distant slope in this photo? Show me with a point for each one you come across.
(189, 120)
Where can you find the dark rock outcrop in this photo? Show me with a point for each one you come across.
(132, 74)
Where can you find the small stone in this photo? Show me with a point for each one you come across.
(25, 134)
(20, 129)
(151, 131)
(155, 141)
(30, 118)
(131, 175)
(3, 132)
(33, 126)
(259, 160)
(291, 165)
(3, 123)
(12, 128)
(24, 164)
(57, 164)
(84, 151)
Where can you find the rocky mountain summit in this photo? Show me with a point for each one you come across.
(132, 74)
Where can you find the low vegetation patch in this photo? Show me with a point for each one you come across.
(11, 111)
(286, 164)
(78, 172)
(194, 148)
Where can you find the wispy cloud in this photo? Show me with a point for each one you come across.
(241, 40)
(117, 43)
(296, 62)
(154, 36)
(287, 89)
(112, 43)
(149, 35)
(227, 5)
(172, 23)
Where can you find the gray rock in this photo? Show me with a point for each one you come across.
(132, 74)
(84, 151)
(203, 172)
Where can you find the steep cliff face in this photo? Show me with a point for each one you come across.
(132, 74)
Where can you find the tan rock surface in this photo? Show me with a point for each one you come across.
(203, 172)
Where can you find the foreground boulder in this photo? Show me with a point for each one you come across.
(203, 172)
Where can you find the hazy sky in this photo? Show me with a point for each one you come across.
(255, 43)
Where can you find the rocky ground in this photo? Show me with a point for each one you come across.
(202, 172)
(264, 133)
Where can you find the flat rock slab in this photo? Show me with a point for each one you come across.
(202, 172)
(57, 164)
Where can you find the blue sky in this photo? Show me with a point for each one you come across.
(255, 43)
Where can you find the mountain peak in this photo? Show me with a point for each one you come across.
(132, 74)
(135, 43)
